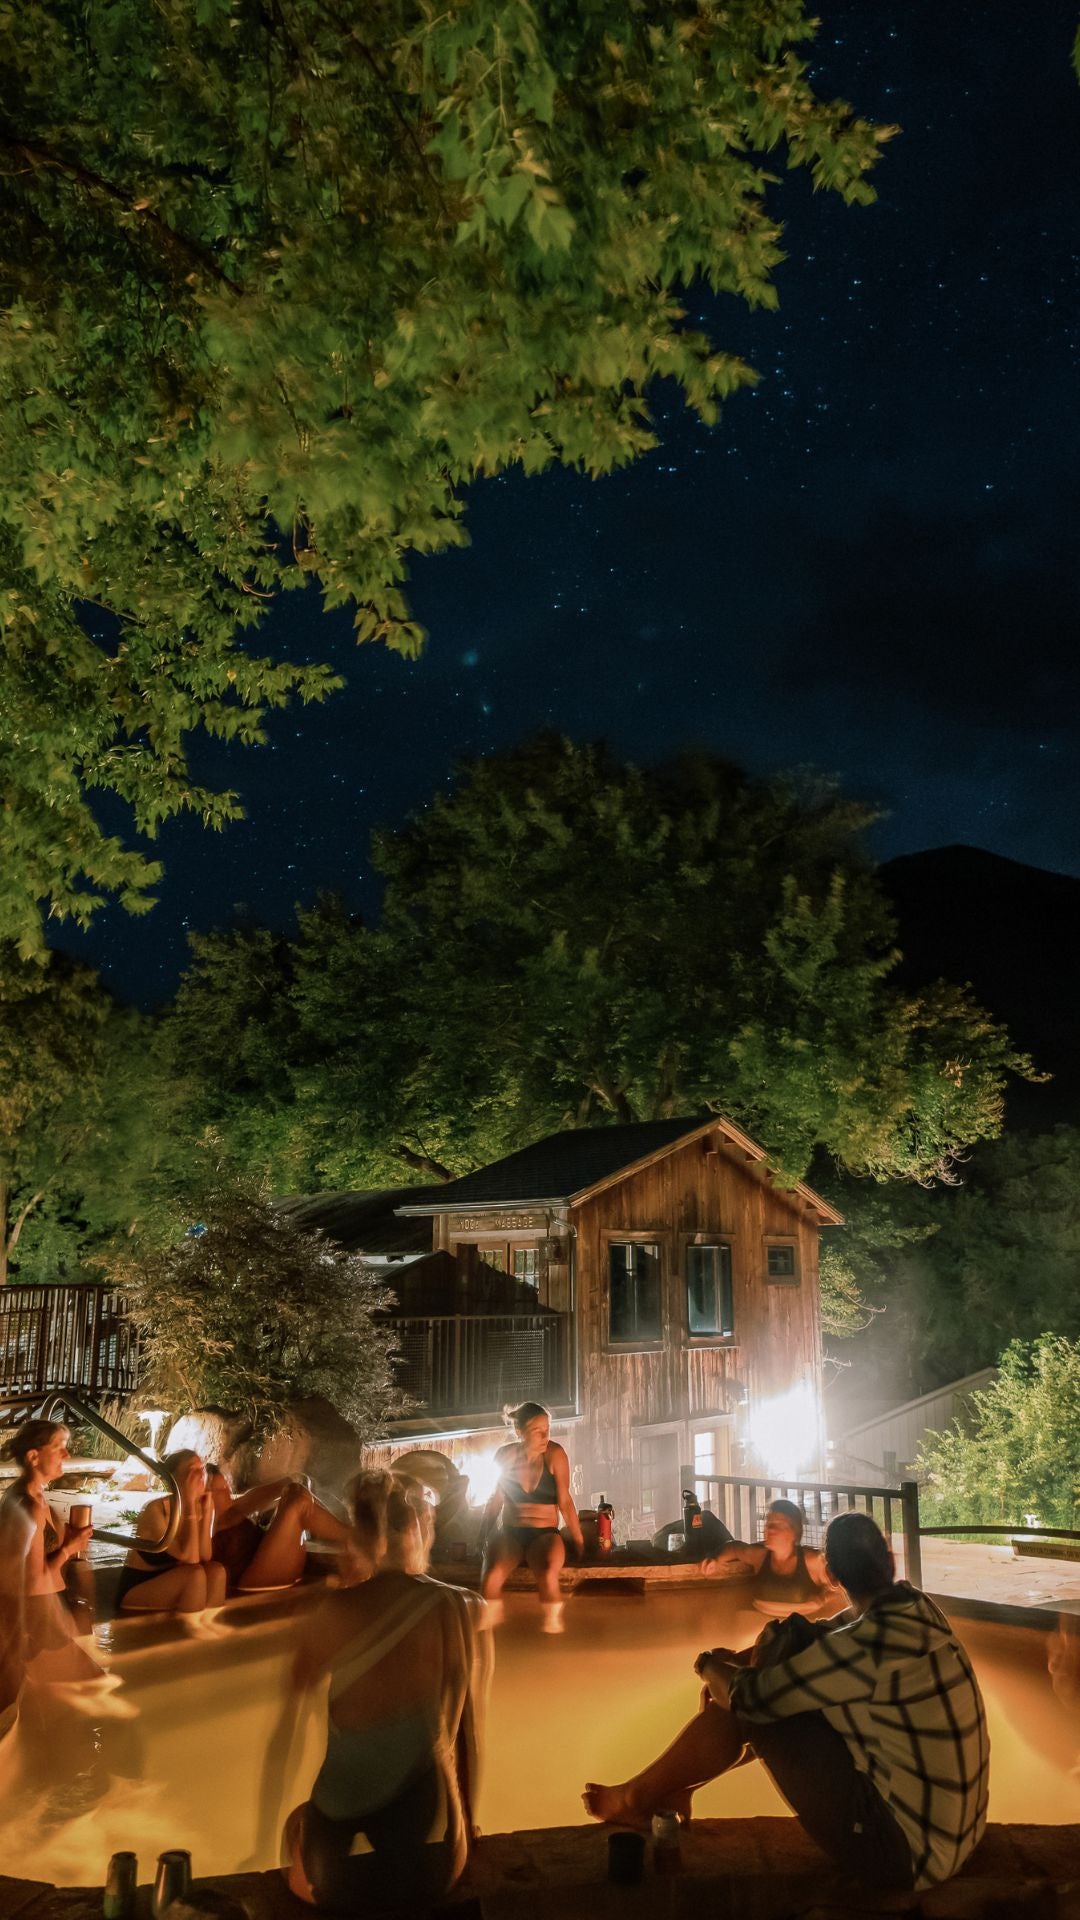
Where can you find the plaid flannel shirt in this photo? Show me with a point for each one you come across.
(899, 1688)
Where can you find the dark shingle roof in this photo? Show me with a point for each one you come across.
(559, 1167)
(366, 1222)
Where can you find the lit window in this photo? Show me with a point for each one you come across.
(634, 1273)
(527, 1265)
(708, 1290)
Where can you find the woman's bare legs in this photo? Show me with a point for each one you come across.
(280, 1557)
(180, 1589)
(500, 1560)
(545, 1560)
(708, 1745)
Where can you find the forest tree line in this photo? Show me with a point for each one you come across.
(564, 940)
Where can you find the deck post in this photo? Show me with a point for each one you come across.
(909, 1502)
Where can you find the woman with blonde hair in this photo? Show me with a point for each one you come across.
(183, 1578)
(408, 1675)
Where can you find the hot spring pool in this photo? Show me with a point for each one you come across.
(594, 1704)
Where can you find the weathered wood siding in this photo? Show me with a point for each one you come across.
(708, 1188)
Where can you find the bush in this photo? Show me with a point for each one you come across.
(246, 1311)
(1020, 1452)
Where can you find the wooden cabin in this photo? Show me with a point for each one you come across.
(675, 1288)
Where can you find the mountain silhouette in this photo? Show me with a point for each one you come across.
(1012, 933)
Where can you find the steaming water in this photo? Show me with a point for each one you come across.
(594, 1704)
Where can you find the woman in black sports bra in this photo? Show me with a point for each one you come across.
(782, 1575)
(521, 1520)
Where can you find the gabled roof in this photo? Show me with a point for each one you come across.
(567, 1167)
(367, 1221)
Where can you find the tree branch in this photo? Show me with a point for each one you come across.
(422, 1162)
(41, 159)
(21, 1219)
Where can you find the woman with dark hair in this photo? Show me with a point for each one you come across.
(521, 1520)
(37, 1632)
(183, 1578)
(782, 1576)
(408, 1678)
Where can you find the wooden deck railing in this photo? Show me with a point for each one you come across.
(77, 1337)
(478, 1363)
(741, 1503)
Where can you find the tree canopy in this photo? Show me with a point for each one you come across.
(566, 939)
(277, 282)
(55, 1024)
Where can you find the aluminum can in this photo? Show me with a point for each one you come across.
(665, 1840)
(120, 1884)
(172, 1880)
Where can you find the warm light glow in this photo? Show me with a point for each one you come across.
(483, 1475)
(785, 1433)
(155, 1418)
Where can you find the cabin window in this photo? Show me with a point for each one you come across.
(709, 1306)
(634, 1290)
(526, 1264)
(493, 1257)
(781, 1262)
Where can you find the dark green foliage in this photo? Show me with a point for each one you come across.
(1022, 1453)
(965, 1269)
(568, 940)
(56, 1024)
(277, 282)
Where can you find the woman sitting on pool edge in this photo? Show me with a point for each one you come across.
(262, 1559)
(521, 1520)
(183, 1578)
(408, 1683)
(782, 1575)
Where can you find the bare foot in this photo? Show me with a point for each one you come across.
(613, 1805)
(617, 1807)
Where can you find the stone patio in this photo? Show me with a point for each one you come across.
(765, 1869)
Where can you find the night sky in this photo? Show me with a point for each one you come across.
(869, 565)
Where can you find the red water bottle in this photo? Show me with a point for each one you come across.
(605, 1514)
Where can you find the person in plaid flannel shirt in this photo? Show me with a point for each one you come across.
(871, 1724)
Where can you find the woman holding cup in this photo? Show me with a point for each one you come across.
(37, 1634)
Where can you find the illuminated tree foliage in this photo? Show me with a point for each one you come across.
(244, 1310)
(54, 1023)
(277, 281)
(567, 940)
(1019, 1451)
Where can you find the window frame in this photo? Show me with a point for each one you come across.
(706, 1237)
(652, 1343)
(787, 1240)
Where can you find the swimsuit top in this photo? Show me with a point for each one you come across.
(799, 1584)
(544, 1494)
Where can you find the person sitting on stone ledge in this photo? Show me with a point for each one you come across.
(261, 1559)
(872, 1727)
(781, 1575)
